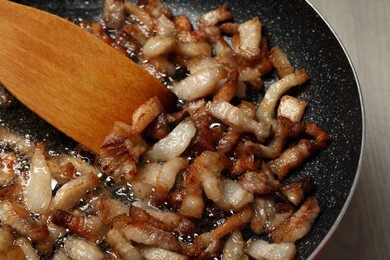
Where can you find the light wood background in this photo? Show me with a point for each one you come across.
(364, 28)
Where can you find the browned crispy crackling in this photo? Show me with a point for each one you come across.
(297, 225)
(266, 109)
(15, 215)
(260, 249)
(280, 61)
(7, 175)
(296, 191)
(216, 16)
(90, 228)
(145, 233)
(121, 246)
(232, 223)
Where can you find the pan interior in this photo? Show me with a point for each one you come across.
(333, 94)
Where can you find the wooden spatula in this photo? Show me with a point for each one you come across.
(68, 77)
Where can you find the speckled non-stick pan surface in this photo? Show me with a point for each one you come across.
(333, 94)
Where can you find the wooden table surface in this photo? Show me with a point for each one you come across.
(364, 29)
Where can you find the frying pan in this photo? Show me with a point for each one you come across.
(334, 96)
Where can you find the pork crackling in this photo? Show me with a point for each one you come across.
(209, 179)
